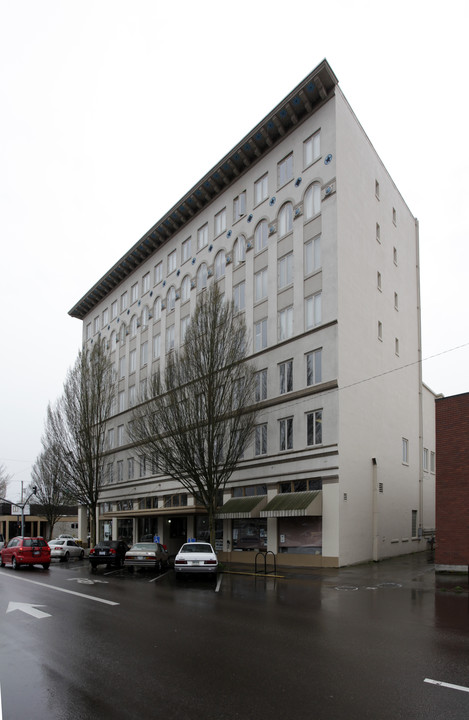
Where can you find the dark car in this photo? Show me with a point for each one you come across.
(26, 551)
(108, 552)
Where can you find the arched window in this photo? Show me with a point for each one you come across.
(122, 333)
(219, 264)
(261, 234)
(113, 341)
(145, 316)
(201, 277)
(171, 299)
(186, 289)
(312, 201)
(239, 250)
(133, 326)
(285, 219)
(157, 309)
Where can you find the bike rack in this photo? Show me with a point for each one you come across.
(264, 556)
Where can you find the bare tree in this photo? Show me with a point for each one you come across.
(4, 480)
(51, 493)
(76, 427)
(197, 417)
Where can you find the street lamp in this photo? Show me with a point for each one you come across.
(23, 505)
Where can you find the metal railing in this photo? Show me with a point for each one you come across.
(264, 554)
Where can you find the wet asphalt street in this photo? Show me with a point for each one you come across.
(379, 641)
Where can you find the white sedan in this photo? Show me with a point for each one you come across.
(65, 549)
(196, 557)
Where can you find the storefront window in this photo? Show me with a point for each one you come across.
(300, 535)
(250, 534)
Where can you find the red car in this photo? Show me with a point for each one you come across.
(25, 551)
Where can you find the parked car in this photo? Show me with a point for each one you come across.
(108, 552)
(65, 549)
(147, 555)
(196, 557)
(67, 537)
(25, 551)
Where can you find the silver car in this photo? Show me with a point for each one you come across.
(196, 557)
(147, 555)
(65, 549)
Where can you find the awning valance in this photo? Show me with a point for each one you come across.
(242, 507)
(294, 504)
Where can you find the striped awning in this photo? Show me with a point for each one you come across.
(242, 507)
(294, 504)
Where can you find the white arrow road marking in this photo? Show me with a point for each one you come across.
(59, 589)
(447, 685)
(28, 608)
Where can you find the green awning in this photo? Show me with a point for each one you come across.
(294, 504)
(242, 507)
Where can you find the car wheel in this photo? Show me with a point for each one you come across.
(67, 557)
(46, 566)
(14, 564)
(82, 555)
(93, 566)
(2, 564)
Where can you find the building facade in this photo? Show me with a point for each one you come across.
(452, 483)
(302, 226)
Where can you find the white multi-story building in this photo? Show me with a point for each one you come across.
(303, 227)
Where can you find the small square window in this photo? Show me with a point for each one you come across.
(405, 451)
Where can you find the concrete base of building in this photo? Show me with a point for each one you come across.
(452, 568)
(248, 557)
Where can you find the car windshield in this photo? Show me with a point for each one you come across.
(196, 548)
(145, 546)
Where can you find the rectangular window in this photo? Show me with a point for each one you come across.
(120, 435)
(394, 255)
(285, 170)
(142, 465)
(405, 451)
(380, 330)
(110, 472)
(239, 206)
(378, 232)
(285, 271)
(110, 438)
(132, 361)
(170, 338)
(134, 293)
(120, 471)
(156, 346)
(425, 459)
(239, 296)
(285, 323)
(96, 324)
(432, 462)
(312, 255)
(286, 433)
(145, 283)
(314, 367)
(220, 222)
(172, 262)
(313, 311)
(377, 189)
(314, 428)
(130, 468)
(414, 523)
(260, 285)
(184, 325)
(260, 335)
(132, 395)
(312, 149)
(158, 272)
(121, 368)
(378, 280)
(121, 401)
(396, 301)
(261, 190)
(88, 331)
(144, 353)
(261, 440)
(124, 301)
(185, 250)
(286, 376)
(202, 237)
(105, 316)
(261, 385)
(114, 310)
(394, 216)
(396, 346)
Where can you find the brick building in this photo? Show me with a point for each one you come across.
(452, 482)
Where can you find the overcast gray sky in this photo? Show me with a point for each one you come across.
(110, 111)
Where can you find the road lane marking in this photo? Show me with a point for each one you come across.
(59, 589)
(447, 685)
(218, 583)
(28, 608)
